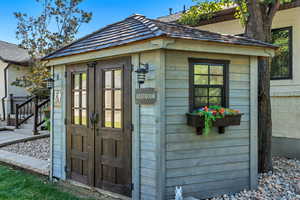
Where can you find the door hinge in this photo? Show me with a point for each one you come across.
(66, 74)
(66, 169)
(131, 186)
(65, 121)
(131, 127)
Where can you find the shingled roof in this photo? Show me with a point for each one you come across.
(12, 53)
(137, 28)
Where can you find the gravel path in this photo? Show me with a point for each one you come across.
(282, 184)
(39, 149)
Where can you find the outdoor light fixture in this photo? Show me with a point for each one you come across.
(50, 83)
(141, 73)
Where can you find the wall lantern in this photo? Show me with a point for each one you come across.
(141, 73)
(50, 83)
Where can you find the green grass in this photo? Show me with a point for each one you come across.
(18, 185)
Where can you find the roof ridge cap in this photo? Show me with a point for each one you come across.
(153, 28)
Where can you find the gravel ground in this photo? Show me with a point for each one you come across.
(282, 184)
(36, 148)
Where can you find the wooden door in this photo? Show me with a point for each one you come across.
(113, 132)
(80, 132)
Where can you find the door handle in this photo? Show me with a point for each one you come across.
(94, 118)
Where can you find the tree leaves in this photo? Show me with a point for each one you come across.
(56, 26)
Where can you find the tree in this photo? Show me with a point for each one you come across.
(56, 26)
(257, 17)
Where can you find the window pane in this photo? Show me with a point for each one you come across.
(281, 61)
(118, 99)
(200, 69)
(76, 81)
(76, 116)
(215, 101)
(118, 79)
(201, 101)
(218, 69)
(108, 99)
(201, 80)
(83, 99)
(201, 92)
(216, 80)
(83, 79)
(76, 97)
(108, 79)
(83, 117)
(117, 119)
(108, 122)
(215, 92)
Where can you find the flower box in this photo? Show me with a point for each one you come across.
(197, 121)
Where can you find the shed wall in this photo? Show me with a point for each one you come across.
(58, 132)
(206, 165)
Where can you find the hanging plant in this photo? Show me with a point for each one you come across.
(208, 117)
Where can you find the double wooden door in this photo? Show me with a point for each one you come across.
(99, 124)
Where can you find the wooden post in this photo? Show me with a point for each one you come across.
(36, 117)
(17, 117)
(11, 99)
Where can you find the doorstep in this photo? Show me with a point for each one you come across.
(25, 162)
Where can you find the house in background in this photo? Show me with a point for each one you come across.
(14, 62)
(285, 70)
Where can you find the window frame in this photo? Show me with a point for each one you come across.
(290, 67)
(225, 63)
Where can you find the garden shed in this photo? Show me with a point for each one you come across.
(119, 110)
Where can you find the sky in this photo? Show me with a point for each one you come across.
(104, 12)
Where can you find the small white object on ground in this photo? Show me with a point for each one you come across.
(178, 193)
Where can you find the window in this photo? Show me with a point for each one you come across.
(113, 98)
(79, 98)
(281, 67)
(208, 83)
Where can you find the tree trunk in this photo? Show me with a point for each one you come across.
(258, 26)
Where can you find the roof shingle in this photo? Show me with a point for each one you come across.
(137, 28)
(13, 53)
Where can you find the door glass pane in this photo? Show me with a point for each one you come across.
(201, 69)
(76, 99)
(108, 76)
(200, 79)
(117, 119)
(118, 79)
(108, 122)
(216, 80)
(83, 79)
(118, 99)
(83, 117)
(76, 116)
(108, 99)
(218, 69)
(76, 81)
(83, 99)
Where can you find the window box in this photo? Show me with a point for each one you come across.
(197, 121)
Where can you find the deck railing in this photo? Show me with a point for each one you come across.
(33, 107)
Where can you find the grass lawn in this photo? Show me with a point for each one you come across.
(19, 185)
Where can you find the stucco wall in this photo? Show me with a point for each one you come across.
(285, 93)
(2, 86)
